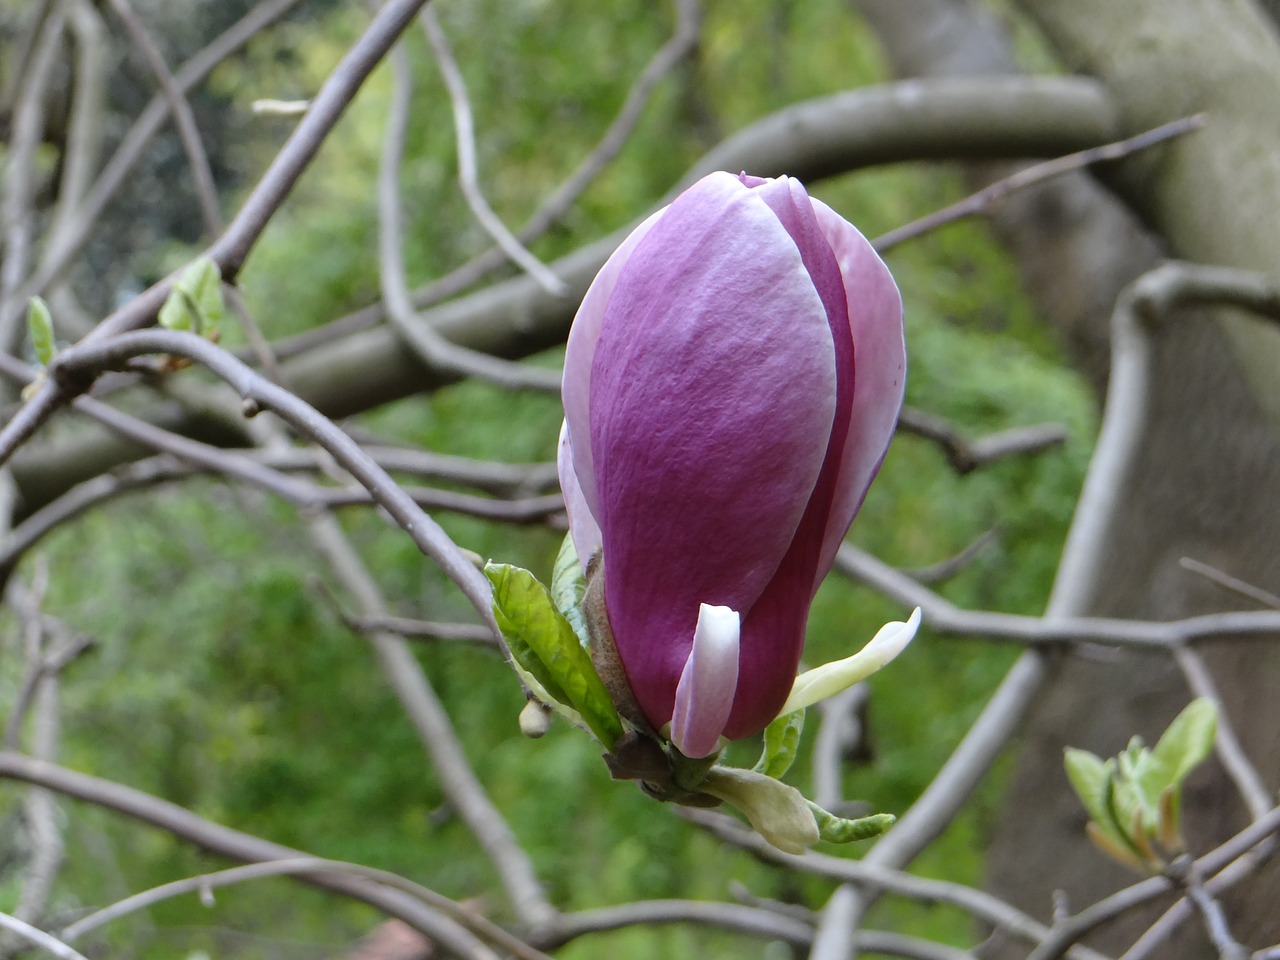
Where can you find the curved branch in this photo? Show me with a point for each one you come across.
(235, 845)
(991, 117)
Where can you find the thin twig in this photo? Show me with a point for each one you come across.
(90, 357)
(238, 239)
(982, 201)
(296, 866)
(944, 617)
(38, 937)
(234, 845)
(1234, 584)
(468, 176)
(1180, 912)
(965, 456)
(949, 567)
(403, 626)
(432, 349)
(41, 690)
(70, 241)
(1254, 792)
(86, 121)
(405, 676)
(1184, 873)
(17, 217)
(1069, 932)
(188, 132)
(981, 905)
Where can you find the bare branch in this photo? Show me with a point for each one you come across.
(991, 116)
(406, 678)
(17, 218)
(728, 916)
(982, 906)
(297, 866)
(555, 206)
(38, 937)
(966, 456)
(70, 241)
(235, 845)
(188, 132)
(1253, 790)
(1234, 584)
(468, 176)
(944, 617)
(985, 199)
(433, 350)
(1183, 872)
(949, 567)
(403, 626)
(1074, 928)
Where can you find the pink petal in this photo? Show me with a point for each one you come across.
(712, 403)
(875, 317)
(579, 354)
(582, 525)
(704, 695)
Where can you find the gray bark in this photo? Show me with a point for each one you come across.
(1209, 464)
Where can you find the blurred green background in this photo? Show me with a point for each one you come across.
(222, 680)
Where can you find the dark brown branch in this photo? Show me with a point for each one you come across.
(965, 456)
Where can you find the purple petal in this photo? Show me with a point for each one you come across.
(582, 525)
(875, 318)
(774, 632)
(579, 355)
(704, 695)
(712, 403)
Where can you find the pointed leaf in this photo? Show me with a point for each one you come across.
(544, 643)
(830, 678)
(40, 329)
(835, 829)
(776, 811)
(1129, 820)
(781, 739)
(1089, 776)
(1093, 781)
(569, 586)
(195, 301)
(1187, 742)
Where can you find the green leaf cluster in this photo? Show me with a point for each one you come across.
(1134, 800)
(195, 302)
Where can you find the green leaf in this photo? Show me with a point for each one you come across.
(781, 738)
(776, 811)
(1094, 782)
(195, 302)
(40, 329)
(835, 829)
(1183, 747)
(544, 644)
(1089, 777)
(569, 586)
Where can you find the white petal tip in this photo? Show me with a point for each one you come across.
(831, 678)
(704, 696)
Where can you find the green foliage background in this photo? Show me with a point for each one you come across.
(222, 680)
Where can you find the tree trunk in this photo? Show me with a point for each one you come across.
(1208, 468)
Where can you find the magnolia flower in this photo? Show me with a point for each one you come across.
(732, 380)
